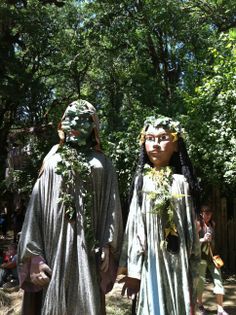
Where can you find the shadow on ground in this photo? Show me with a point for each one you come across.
(118, 305)
(229, 298)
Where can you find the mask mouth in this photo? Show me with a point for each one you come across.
(173, 244)
(156, 151)
(75, 133)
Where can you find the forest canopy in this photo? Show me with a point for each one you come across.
(129, 59)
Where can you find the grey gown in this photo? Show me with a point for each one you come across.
(75, 285)
(168, 281)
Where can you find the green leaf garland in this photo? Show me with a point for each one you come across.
(72, 164)
(162, 196)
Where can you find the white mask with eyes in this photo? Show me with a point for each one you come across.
(159, 145)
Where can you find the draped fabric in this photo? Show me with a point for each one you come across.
(75, 285)
(168, 281)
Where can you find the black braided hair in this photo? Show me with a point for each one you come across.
(181, 164)
(143, 159)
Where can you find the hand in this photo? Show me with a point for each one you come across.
(131, 286)
(40, 274)
(104, 259)
(207, 237)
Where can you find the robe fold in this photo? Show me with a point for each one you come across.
(77, 286)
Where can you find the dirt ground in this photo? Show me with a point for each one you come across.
(10, 303)
(229, 298)
(117, 305)
(124, 307)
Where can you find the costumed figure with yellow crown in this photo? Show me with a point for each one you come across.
(161, 253)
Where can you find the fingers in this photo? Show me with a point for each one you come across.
(124, 288)
(42, 276)
(130, 293)
(46, 270)
(133, 296)
(104, 266)
(103, 256)
(122, 280)
(105, 259)
(208, 238)
(40, 279)
(131, 287)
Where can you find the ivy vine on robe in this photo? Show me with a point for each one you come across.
(75, 163)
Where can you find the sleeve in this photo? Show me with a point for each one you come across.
(133, 248)
(108, 218)
(30, 247)
(114, 227)
(188, 227)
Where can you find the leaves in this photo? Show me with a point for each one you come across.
(161, 196)
(211, 117)
(73, 167)
(131, 60)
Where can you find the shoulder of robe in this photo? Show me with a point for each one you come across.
(100, 161)
(51, 159)
(180, 178)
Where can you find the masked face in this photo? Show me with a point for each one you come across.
(160, 145)
(77, 126)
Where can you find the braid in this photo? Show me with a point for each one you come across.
(143, 159)
(188, 171)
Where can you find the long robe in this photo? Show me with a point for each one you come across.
(168, 281)
(75, 285)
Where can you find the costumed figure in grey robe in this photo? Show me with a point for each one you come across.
(161, 254)
(70, 242)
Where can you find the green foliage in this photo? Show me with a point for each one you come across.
(161, 196)
(74, 167)
(130, 59)
(72, 162)
(122, 146)
(19, 181)
(33, 149)
(211, 118)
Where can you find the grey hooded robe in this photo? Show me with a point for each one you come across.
(75, 285)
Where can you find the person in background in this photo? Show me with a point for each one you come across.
(161, 252)
(71, 237)
(206, 229)
(17, 219)
(8, 268)
(3, 221)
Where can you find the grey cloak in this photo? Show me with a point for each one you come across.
(168, 281)
(75, 285)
